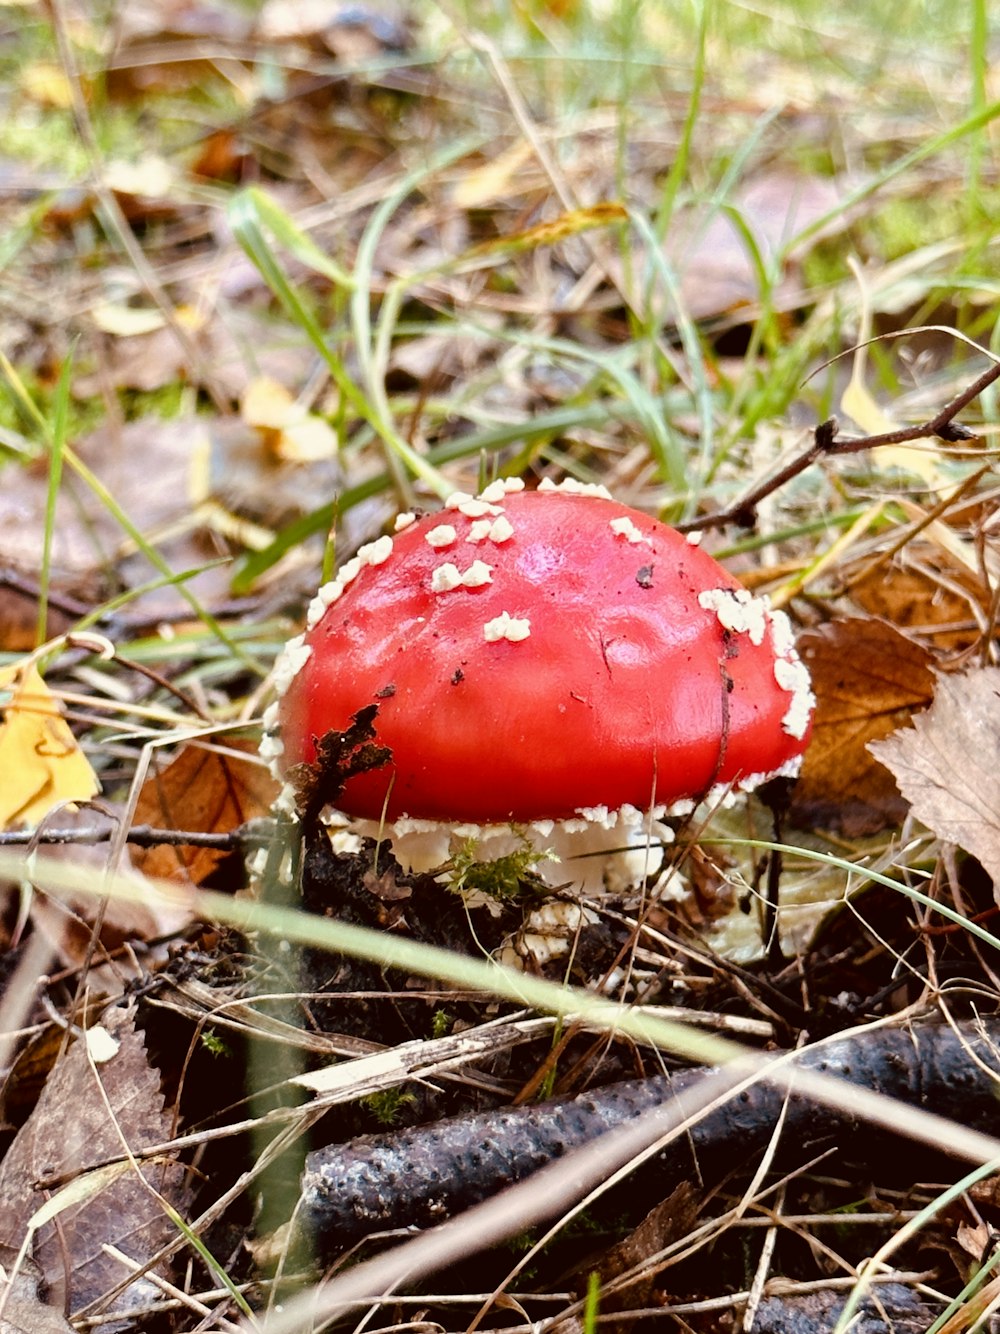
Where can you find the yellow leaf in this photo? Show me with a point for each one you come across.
(46, 84)
(861, 407)
(267, 404)
(290, 432)
(113, 317)
(41, 765)
(306, 441)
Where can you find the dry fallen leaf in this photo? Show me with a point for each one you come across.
(206, 792)
(709, 250)
(24, 1312)
(947, 763)
(868, 678)
(922, 591)
(41, 765)
(290, 432)
(72, 1129)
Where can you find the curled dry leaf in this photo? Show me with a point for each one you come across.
(947, 763)
(76, 1125)
(869, 678)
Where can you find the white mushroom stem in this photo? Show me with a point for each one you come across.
(594, 852)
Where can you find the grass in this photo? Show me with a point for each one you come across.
(483, 255)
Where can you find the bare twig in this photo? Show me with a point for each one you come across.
(256, 833)
(828, 444)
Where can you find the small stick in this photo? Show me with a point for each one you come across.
(827, 444)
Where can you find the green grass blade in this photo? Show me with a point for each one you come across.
(57, 447)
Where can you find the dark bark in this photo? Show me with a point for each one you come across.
(421, 1176)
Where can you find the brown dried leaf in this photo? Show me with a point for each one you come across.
(24, 1312)
(716, 271)
(202, 791)
(73, 1129)
(869, 678)
(922, 591)
(947, 763)
(665, 1224)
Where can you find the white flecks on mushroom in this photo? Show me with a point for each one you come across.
(497, 530)
(344, 841)
(738, 611)
(624, 527)
(494, 493)
(782, 635)
(457, 499)
(793, 676)
(497, 490)
(377, 552)
(326, 597)
(478, 574)
(271, 747)
(693, 539)
(270, 718)
(284, 802)
(349, 571)
(446, 577)
(443, 535)
(289, 663)
(505, 626)
(549, 931)
(478, 509)
(403, 521)
(790, 769)
(572, 487)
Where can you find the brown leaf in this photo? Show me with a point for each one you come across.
(24, 1312)
(947, 763)
(670, 1220)
(73, 1129)
(928, 594)
(869, 678)
(710, 253)
(205, 792)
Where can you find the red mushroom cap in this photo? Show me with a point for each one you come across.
(535, 653)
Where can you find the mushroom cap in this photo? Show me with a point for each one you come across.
(535, 653)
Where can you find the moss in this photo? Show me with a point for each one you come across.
(506, 877)
(387, 1104)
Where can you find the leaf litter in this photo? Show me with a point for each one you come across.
(101, 1100)
(511, 350)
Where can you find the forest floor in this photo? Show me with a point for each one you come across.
(272, 275)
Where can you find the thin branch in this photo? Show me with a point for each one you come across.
(828, 444)
(254, 834)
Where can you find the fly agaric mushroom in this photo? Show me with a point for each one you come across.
(543, 663)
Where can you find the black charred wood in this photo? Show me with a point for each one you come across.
(892, 1308)
(422, 1176)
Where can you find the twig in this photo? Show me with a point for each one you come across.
(827, 444)
(256, 833)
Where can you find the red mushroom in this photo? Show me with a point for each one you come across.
(535, 657)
